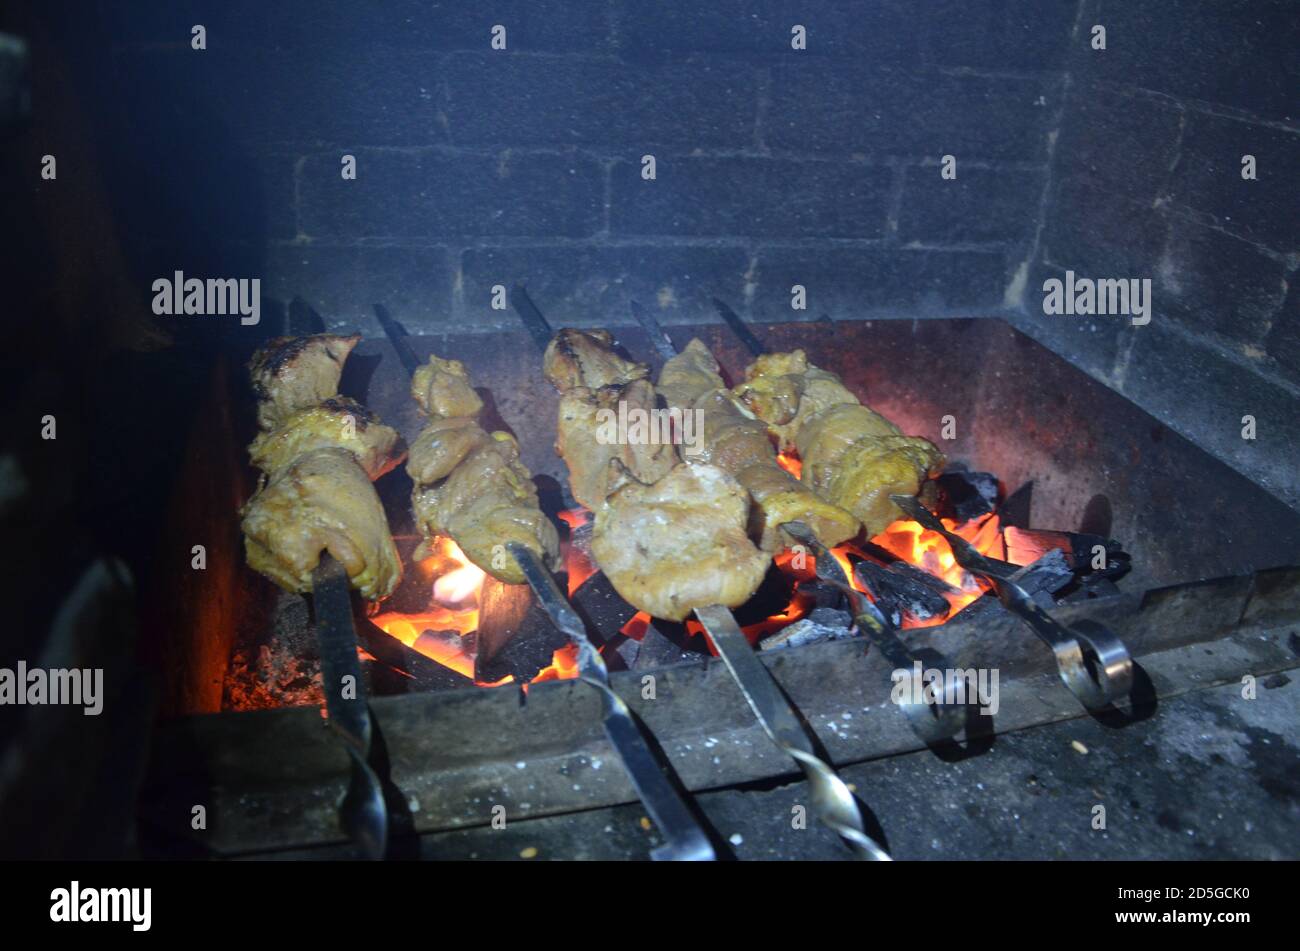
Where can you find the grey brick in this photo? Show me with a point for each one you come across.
(423, 194)
(1096, 233)
(851, 284)
(344, 284)
(547, 100)
(1212, 281)
(1121, 143)
(1203, 393)
(980, 204)
(591, 286)
(1239, 53)
(275, 100)
(1091, 343)
(750, 197)
(1208, 179)
(838, 108)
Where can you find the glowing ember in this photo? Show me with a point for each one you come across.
(930, 552)
(456, 587)
(438, 631)
(791, 464)
(578, 565)
(564, 665)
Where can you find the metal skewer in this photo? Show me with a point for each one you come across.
(739, 328)
(933, 723)
(684, 839)
(832, 801)
(362, 813)
(660, 340)
(1092, 662)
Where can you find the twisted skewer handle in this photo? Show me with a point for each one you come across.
(831, 799)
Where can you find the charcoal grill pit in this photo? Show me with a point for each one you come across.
(1197, 608)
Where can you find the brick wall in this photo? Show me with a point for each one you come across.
(775, 167)
(479, 167)
(1145, 182)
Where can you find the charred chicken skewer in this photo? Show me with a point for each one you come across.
(739, 444)
(441, 387)
(851, 455)
(316, 524)
(669, 536)
(469, 484)
(318, 453)
(691, 376)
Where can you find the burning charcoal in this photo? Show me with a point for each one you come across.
(1045, 577)
(1025, 546)
(823, 624)
(831, 617)
(515, 635)
(967, 495)
(1089, 587)
(621, 652)
(663, 650)
(820, 594)
(424, 672)
(601, 608)
(902, 589)
(772, 597)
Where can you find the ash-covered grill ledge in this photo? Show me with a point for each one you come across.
(1096, 462)
(271, 778)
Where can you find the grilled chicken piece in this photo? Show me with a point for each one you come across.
(321, 501)
(487, 501)
(855, 457)
(337, 421)
(741, 446)
(785, 390)
(442, 388)
(469, 484)
(593, 381)
(594, 459)
(294, 373)
(680, 543)
(852, 456)
(587, 358)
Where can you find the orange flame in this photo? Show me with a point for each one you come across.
(930, 551)
(578, 564)
(457, 584)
